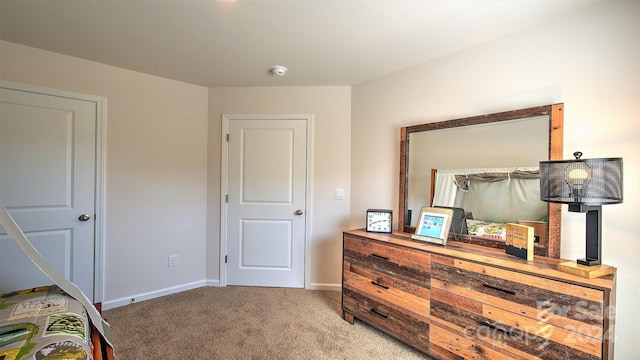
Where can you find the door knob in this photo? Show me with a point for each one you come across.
(298, 212)
(84, 217)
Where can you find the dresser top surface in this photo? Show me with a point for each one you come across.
(540, 266)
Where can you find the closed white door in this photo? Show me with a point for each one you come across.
(267, 167)
(47, 183)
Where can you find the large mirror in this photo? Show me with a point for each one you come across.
(510, 139)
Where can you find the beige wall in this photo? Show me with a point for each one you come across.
(331, 108)
(156, 149)
(590, 61)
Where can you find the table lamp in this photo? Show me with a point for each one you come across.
(585, 185)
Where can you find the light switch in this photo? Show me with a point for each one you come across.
(339, 194)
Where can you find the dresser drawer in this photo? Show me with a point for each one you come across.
(387, 261)
(407, 303)
(406, 328)
(512, 333)
(384, 281)
(450, 344)
(576, 308)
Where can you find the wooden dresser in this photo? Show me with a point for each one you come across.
(467, 302)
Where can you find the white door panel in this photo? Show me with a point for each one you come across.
(47, 180)
(266, 188)
(265, 244)
(266, 158)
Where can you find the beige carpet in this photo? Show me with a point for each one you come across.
(247, 323)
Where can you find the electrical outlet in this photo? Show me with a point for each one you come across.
(133, 300)
(173, 260)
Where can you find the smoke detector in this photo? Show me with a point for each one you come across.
(279, 70)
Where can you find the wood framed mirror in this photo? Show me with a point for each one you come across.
(551, 115)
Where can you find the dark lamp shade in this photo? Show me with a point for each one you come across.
(583, 182)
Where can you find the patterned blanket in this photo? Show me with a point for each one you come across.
(487, 229)
(43, 323)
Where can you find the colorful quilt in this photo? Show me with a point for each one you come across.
(487, 229)
(43, 323)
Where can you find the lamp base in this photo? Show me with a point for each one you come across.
(588, 261)
(585, 271)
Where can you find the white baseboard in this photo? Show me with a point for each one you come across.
(176, 289)
(152, 294)
(320, 286)
(214, 283)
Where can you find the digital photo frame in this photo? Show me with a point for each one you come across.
(433, 225)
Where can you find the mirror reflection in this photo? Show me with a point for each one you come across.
(525, 142)
(487, 169)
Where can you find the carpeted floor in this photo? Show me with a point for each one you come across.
(247, 323)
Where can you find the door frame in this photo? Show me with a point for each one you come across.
(100, 161)
(224, 188)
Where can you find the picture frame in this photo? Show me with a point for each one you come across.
(433, 225)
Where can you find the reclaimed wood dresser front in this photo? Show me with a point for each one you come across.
(466, 302)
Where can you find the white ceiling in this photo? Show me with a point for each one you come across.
(235, 43)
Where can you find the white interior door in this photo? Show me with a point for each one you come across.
(47, 183)
(266, 207)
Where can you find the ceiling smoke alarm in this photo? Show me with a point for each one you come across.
(279, 70)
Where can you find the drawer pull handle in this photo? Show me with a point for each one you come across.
(377, 312)
(380, 257)
(496, 327)
(379, 285)
(508, 291)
